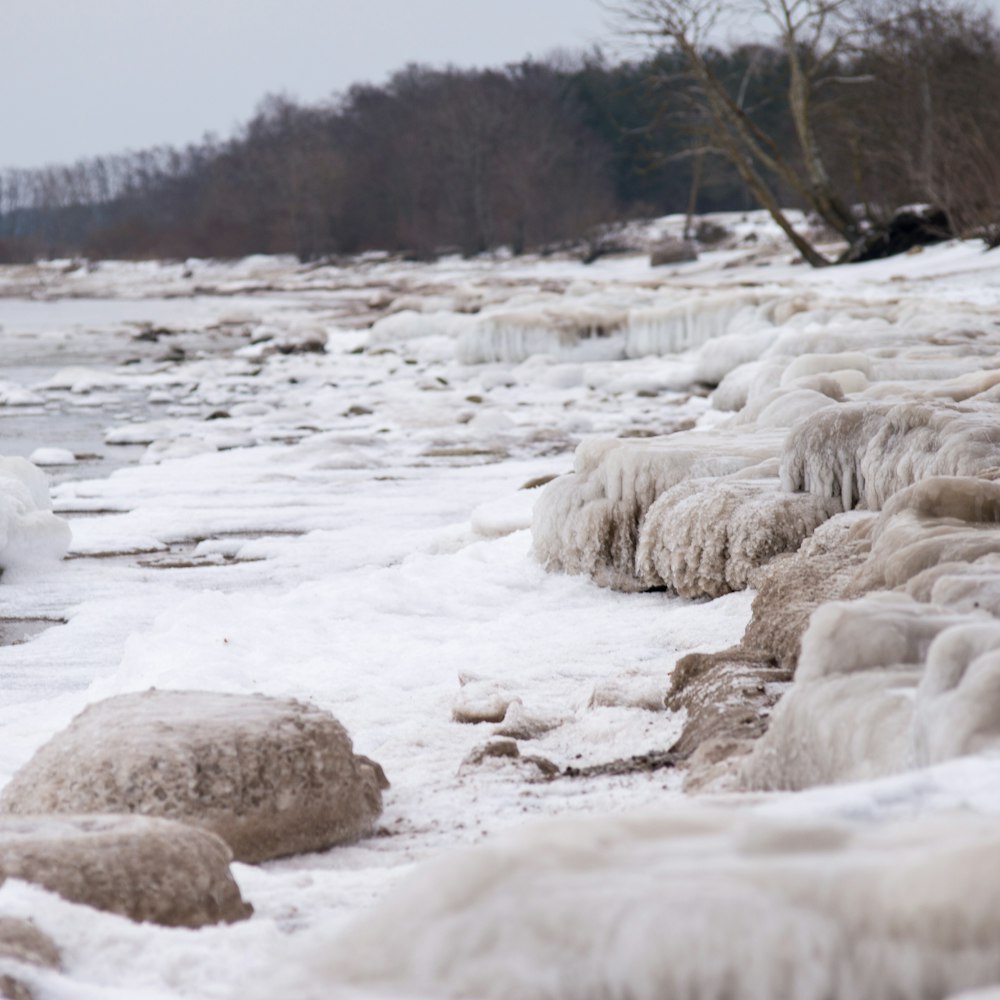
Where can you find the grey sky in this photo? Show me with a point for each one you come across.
(83, 77)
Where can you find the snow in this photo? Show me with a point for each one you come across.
(390, 490)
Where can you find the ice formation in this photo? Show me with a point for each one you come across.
(29, 532)
(694, 904)
(704, 538)
(591, 521)
(271, 777)
(863, 453)
(682, 324)
(574, 331)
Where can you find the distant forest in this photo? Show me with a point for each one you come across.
(539, 155)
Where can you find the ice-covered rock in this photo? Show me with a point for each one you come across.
(52, 456)
(479, 700)
(146, 869)
(22, 942)
(884, 683)
(705, 537)
(694, 904)
(591, 521)
(941, 521)
(271, 776)
(30, 533)
(863, 452)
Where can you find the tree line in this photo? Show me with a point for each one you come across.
(851, 112)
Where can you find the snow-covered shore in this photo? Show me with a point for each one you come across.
(333, 501)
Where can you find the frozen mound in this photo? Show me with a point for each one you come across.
(577, 331)
(22, 942)
(145, 869)
(30, 534)
(863, 453)
(271, 777)
(590, 521)
(696, 905)
(861, 686)
(705, 538)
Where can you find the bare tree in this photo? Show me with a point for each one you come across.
(815, 37)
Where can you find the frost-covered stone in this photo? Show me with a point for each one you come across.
(270, 776)
(479, 700)
(29, 532)
(690, 904)
(142, 868)
(21, 941)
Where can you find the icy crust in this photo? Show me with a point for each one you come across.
(591, 521)
(30, 534)
(695, 904)
(145, 869)
(863, 453)
(271, 777)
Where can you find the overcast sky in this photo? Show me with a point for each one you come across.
(84, 77)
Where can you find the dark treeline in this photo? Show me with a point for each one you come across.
(534, 155)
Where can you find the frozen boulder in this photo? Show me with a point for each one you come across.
(272, 777)
(21, 941)
(145, 869)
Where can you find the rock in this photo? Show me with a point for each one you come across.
(908, 228)
(271, 776)
(637, 691)
(507, 751)
(673, 252)
(479, 701)
(145, 869)
(22, 941)
(519, 724)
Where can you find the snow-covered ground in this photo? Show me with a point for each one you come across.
(319, 482)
